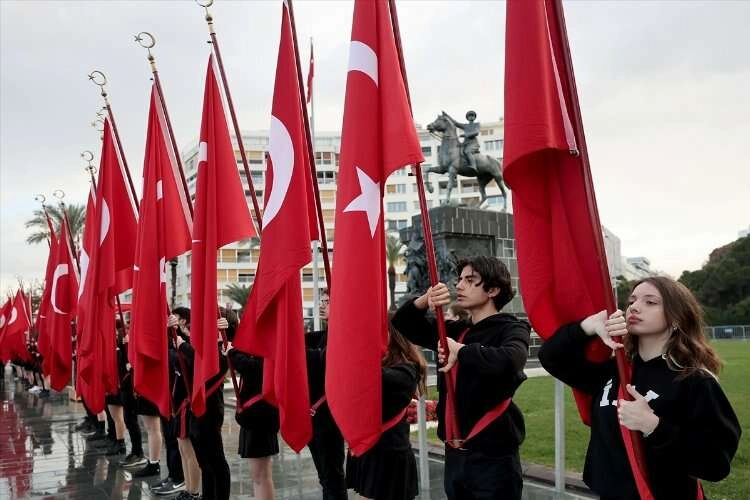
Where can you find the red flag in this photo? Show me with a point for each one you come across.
(272, 325)
(164, 227)
(89, 242)
(310, 74)
(109, 274)
(41, 326)
(4, 316)
(561, 258)
(18, 323)
(221, 217)
(357, 328)
(63, 299)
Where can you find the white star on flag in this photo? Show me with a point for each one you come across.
(368, 201)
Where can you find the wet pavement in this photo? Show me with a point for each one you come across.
(43, 457)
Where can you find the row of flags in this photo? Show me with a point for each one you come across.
(560, 251)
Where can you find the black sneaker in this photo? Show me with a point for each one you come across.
(116, 448)
(84, 425)
(97, 435)
(133, 461)
(186, 496)
(159, 484)
(168, 487)
(151, 469)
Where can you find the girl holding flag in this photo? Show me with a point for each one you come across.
(690, 430)
(388, 470)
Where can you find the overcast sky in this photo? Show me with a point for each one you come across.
(662, 85)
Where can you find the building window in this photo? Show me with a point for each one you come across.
(392, 225)
(245, 277)
(401, 188)
(401, 223)
(326, 177)
(244, 256)
(496, 145)
(427, 151)
(396, 206)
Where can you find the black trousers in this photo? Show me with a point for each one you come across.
(327, 450)
(473, 475)
(174, 461)
(131, 419)
(110, 424)
(209, 450)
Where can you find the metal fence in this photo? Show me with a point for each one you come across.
(728, 332)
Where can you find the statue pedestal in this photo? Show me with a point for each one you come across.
(465, 232)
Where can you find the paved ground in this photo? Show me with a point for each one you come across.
(42, 457)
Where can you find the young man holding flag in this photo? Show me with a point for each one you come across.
(485, 359)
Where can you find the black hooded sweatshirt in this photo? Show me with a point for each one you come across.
(490, 370)
(696, 437)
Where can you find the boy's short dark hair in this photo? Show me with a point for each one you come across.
(183, 313)
(494, 274)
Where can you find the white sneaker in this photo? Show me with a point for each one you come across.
(35, 389)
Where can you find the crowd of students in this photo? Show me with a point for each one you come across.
(688, 427)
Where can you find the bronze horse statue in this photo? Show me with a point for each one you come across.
(451, 160)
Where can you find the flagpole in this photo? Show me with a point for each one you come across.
(426, 226)
(577, 122)
(316, 244)
(237, 131)
(93, 78)
(60, 194)
(148, 45)
(310, 152)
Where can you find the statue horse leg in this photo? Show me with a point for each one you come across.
(452, 183)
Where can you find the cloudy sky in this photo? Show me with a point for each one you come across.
(663, 89)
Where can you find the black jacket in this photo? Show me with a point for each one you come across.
(214, 415)
(399, 386)
(697, 435)
(260, 415)
(490, 370)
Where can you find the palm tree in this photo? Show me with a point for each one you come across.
(393, 248)
(76, 218)
(238, 293)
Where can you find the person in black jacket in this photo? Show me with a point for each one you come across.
(388, 470)
(327, 443)
(205, 431)
(489, 353)
(689, 428)
(259, 423)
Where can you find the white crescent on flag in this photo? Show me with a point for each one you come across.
(104, 225)
(13, 315)
(363, 58)
(282, 157)
(60, 271)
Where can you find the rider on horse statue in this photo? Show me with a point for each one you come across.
(470, 144)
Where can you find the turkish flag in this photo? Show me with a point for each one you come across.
(90, 236)
(561, 258)
(221, 217)
(109, 274)
(378, 137)
(63, 300)
(164, 227)
(4, 316)
(18, 323)
(40, 325)
(272, 325)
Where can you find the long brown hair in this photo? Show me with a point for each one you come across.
(401, 351)
(686, 349)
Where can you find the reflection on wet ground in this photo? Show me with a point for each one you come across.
(43, 457)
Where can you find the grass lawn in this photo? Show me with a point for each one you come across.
(536, 400)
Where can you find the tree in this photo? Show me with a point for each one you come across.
(238, 293)
(76, 217)
(722, 286)
(393, 247)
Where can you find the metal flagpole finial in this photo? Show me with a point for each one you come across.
(88, 156)
(41, 199)
(147, 41)
(209, 18)
(59, 194)
(100, 79)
